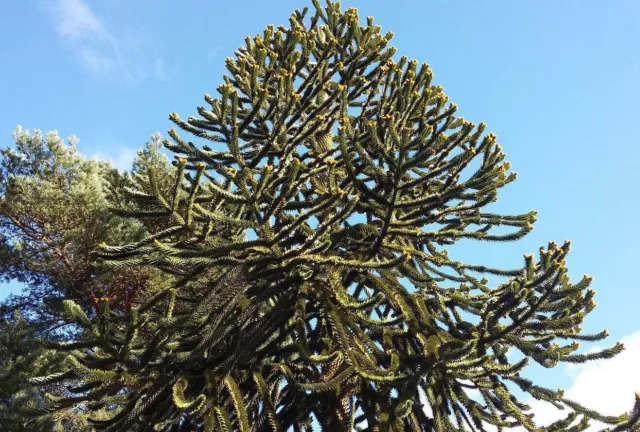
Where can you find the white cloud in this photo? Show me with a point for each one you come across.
(121, 157)
(606, 386)
(572, 369)
(95, 61)
(159, 70)
(73, 19)
(97, 47)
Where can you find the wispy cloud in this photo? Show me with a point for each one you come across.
(94, 60)
(97, 47)
(159, 71)
(120, 156)
(214, 51)
(73, 19)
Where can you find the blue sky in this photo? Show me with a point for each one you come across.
(556, 81)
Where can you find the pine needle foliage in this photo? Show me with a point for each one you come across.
(308, 240)
(54, 210)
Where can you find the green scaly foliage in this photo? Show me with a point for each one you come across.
(308, 242)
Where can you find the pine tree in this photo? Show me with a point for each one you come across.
(308, 240)
(54, 209)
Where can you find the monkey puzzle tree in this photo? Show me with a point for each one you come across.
(308, 244)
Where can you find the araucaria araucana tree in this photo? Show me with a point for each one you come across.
(308, 241)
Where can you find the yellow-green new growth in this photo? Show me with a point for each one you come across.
(323, 290)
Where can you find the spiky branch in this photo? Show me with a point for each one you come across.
(308, 238)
